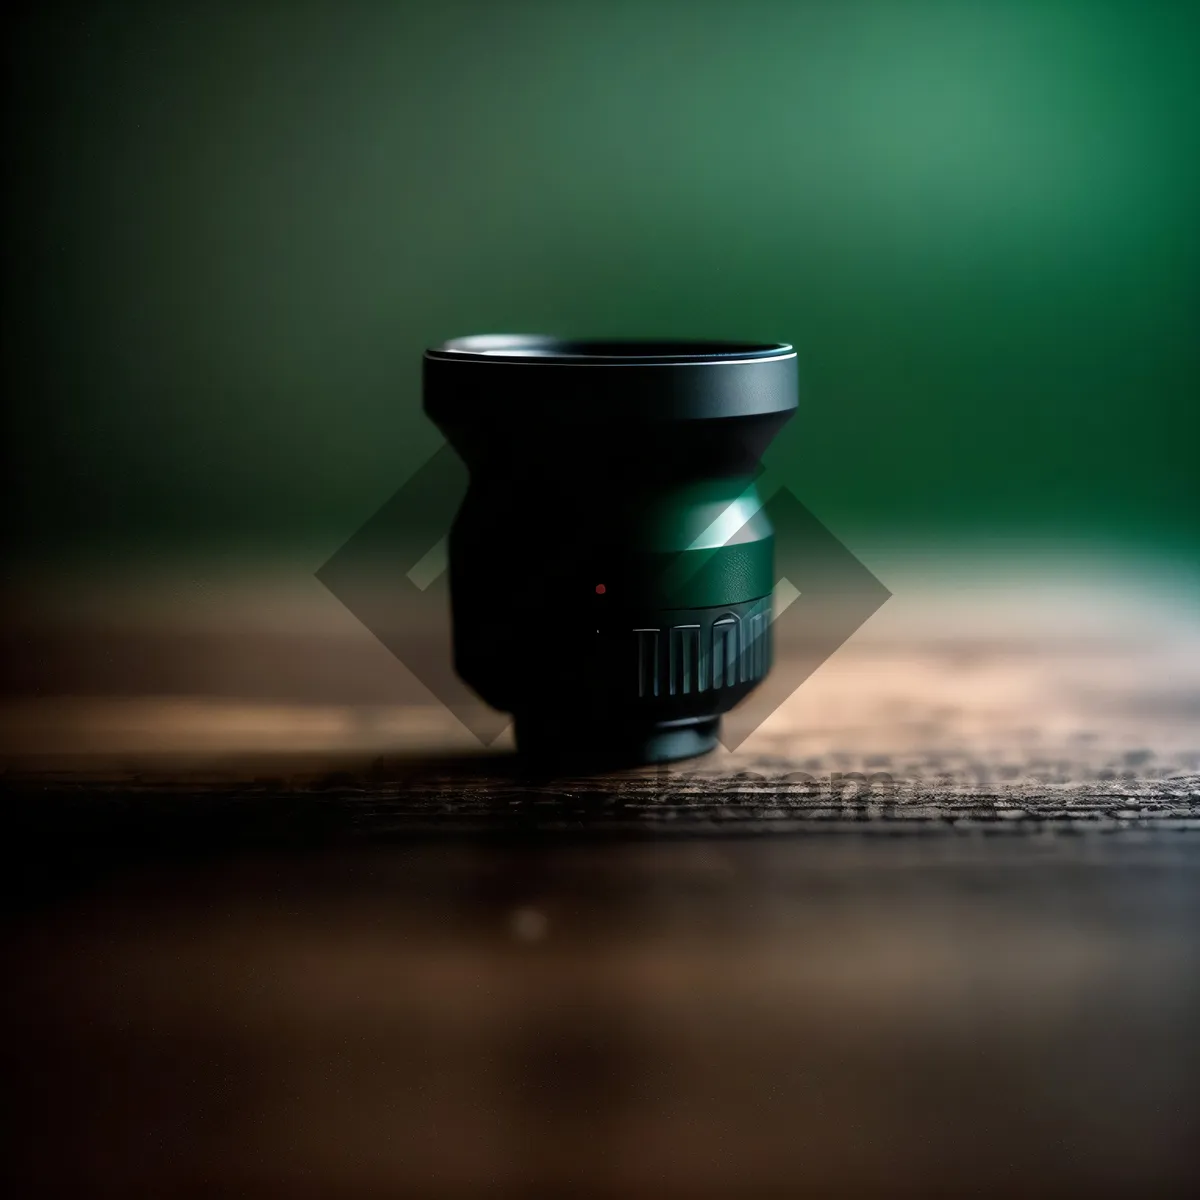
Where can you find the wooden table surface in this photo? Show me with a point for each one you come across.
(303, 941)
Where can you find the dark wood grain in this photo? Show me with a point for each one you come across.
(312, 942)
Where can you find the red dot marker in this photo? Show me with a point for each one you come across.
(600, 589)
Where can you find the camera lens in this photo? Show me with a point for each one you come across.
(611, 566)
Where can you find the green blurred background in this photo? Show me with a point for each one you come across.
(231, 231)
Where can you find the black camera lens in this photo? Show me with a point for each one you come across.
(611, 566)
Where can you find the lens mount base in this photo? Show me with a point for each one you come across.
(581, 744)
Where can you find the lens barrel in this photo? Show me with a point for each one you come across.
(611, 566)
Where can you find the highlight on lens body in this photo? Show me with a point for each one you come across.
(611, 565)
